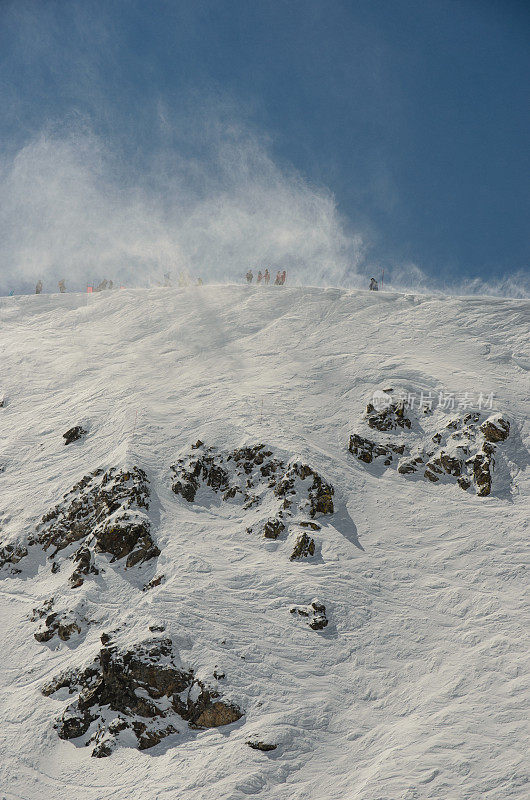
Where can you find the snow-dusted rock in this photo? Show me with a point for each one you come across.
(74, 434)
(495, 428)
(314, 614)
(304, 547)
(143, 691)
(105, 511)
(460, 448)
(257, 478)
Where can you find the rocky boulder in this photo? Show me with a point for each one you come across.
(11, 554)
(460, 450)
(495, 428)
(264, 747)
(367, 450)
(304, 547)
(143, 693)
(74, 434)
(105, 513)
(393, 416)
(65, 626)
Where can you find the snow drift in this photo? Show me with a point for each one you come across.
(227, 572)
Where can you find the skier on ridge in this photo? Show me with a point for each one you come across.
(259, 278)
(373, 285)
(62, 286)
(249, 276)
(266, 277)
(38, 287)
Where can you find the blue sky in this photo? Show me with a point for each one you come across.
(414, 114)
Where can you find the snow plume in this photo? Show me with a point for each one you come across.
(73, 207)
(410, 277)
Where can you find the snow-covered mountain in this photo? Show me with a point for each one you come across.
(280, 554)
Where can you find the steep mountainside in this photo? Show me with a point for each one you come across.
(280, 552)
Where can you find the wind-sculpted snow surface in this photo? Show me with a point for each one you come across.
(277, 616)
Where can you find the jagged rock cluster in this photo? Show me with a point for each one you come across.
(304, 547)
(388, 418)
(462, 449)
(252, 474)
(314, 614)
(11, 554)
(136, 695)
(103, 513)
(65, 624)
(140, 694)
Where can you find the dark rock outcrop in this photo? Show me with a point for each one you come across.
(273, 528)
(149, 690)
(389, 418)
(495, 428)
(314, 614)
(409, 465)
(11, 554)
(314, 526)
(251, 475)
(367, 450)
(84, 559)
(74, 434)
(482, 473)
(63, 625)
(263, 746)
(462, 449)
(105, 512)
(156, 581)
(304, 547)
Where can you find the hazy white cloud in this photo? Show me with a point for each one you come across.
(210, 200)
(72, 207)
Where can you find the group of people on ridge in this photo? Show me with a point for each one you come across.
(265, 277)
(61, 284)
(184, 280)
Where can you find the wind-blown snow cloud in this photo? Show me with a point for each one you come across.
(410, 277)
(209, 200)
(72, 207)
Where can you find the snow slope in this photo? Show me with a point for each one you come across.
(417, 687)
